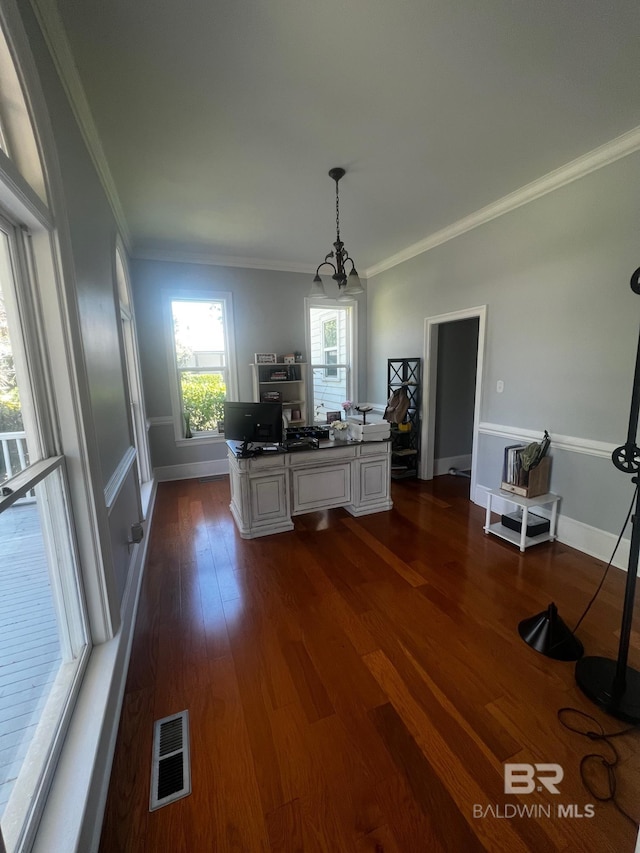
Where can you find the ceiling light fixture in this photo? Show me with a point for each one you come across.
(351, 282)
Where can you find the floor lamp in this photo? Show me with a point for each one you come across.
(611, 684)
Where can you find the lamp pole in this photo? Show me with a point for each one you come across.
(613, 685)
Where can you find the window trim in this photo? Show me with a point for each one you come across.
(351, 307)
(32, 349)
(131, 365)
(226, 298)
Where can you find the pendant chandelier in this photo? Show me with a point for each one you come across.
(348, 285)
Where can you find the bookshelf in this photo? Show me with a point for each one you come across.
(282, 383)
(405, 437)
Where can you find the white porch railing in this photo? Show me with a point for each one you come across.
(15, 456)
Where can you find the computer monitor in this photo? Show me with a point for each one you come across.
(253, 422)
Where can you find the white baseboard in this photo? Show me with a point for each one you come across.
(191, 470)
(442, 466)
(583, 537)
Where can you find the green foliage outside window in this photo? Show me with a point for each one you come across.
(203, 396)
(10, 415)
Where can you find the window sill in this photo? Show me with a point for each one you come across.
(200, 439)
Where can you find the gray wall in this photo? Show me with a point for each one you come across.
(562, 324)
(92, 231)
(455, 387)
(269, 316)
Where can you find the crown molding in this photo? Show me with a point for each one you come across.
(55, 36)
(606, 154)
(185, 257)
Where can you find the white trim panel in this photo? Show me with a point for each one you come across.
(163, 420)
(182, 257)
(590, 447)
(192, 470)
(116, 481)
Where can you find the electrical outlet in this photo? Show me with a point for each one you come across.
(499, 386)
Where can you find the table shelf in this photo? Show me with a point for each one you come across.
(520, 538)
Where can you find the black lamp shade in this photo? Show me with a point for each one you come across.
(548, 634)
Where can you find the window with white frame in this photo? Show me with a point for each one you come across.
(331, 345)
(132, 364)
(201, 359)
(44, 627)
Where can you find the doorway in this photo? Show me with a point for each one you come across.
(451, 345)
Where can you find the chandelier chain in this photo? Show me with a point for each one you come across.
(337, 212)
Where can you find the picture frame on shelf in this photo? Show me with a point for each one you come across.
(333, 416)
(266, 358)
(289, 359)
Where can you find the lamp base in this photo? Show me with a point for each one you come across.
(548, 634)
(596, 677)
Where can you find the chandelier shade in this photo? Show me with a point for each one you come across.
(349, 284)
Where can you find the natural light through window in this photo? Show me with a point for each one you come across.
(330, 330)
(201, 354)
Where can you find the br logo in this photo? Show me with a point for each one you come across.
(526, 778)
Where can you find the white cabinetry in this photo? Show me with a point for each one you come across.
(259, 496)
(282, 383)
(266, 491)
(371, 473)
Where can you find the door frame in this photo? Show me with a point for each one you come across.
(430, 356)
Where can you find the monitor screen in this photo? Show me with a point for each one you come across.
(253, 422)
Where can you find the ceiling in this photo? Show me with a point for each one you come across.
(219, 119)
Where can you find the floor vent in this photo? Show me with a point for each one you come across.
(171, 766)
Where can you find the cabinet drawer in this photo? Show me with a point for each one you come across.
(375, 447)
(323, 456)
(260, 463)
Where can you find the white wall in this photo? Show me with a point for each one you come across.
(562, 325)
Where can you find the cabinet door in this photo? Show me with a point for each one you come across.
(321, 487)
(371, 480)
(268, 496)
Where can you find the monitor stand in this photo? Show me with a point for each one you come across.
(244, 450)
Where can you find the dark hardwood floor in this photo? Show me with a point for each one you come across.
(358, 684)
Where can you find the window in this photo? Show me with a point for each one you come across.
(201, 359)
(132, 365)
(330, 342)
(330, 346)
(44, 503)
(43, 629)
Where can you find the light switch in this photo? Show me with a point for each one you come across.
(500, 386)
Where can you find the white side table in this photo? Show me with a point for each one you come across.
(521, 539)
